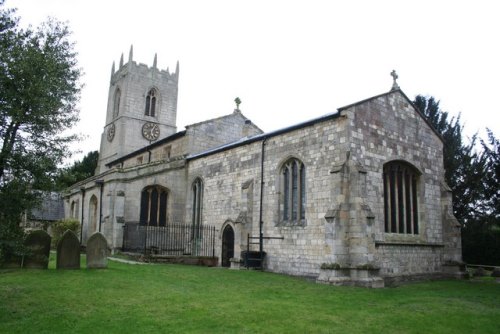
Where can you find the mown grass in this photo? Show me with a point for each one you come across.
(181, 299)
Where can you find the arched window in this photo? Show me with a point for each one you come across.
(75, 208)
(197, 191)
(400, 198)
(151, 103)
(154, 200)
(293, 179)
(92, 225)
(116, 102)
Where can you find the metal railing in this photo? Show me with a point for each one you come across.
(172, 239)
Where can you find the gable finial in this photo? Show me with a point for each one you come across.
(238, 102)
(394, 76)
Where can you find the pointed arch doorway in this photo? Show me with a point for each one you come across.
(227, 246)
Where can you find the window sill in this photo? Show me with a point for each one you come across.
(407, 243)
(292, 223)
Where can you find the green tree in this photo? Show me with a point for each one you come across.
(79, 171)
(491, 149)
(481, 236)
(464, 166)
(473, 174)
(39, 91)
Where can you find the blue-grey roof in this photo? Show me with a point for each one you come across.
(51, 208)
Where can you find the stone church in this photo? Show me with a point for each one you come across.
(353, 197)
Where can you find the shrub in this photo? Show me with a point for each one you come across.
(11, 242)
(62, 226)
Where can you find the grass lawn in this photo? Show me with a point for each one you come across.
(174, 298)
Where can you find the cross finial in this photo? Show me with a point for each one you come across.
(394, 76)
(238, 102)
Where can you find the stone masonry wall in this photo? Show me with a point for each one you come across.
(134, 82)
(389, 128)
(303, 247)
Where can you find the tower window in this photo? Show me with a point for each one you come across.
(116, 103)
(166, 152)
(400, 198)
(293, 191)
(151, 103)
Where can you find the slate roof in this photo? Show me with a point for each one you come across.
(51, 208)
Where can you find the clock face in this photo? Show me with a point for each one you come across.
(150, 131)
(111, 132)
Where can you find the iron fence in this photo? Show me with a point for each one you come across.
(172, 239)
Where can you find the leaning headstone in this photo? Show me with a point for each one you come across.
(38, 243)
(68, 251)
(97, 251)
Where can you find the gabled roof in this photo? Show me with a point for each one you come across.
(176, 136)
(235, 112)
(246, 141)
(263, 136)
(405, 97)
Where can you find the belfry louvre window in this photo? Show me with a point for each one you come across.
(400, 198)
(154, 200)
(294, 190)
(116, 102)
(151, 103)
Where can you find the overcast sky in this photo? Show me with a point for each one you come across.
(288, 61)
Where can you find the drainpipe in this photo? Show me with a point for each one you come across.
(261, 197)
(82, 189)
(100, 183)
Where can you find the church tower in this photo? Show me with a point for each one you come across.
(142, 108)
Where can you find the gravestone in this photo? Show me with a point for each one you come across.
(68, 251)
(480, 272)
(38, 243)
(97, 251)
(11, 262)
